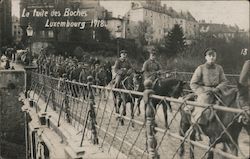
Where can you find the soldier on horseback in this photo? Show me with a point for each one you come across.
(208, 79)
(244, 82)
(151, 67)
(244, 76)
(121, 67)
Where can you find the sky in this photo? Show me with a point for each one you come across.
(227, 12)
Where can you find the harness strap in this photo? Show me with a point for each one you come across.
(219, 99)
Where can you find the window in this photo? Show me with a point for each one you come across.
(42, 34)
(50, 34)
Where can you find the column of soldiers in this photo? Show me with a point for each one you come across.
(207, 77)
(69, 68)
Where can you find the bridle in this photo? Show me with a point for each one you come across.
(124, 85)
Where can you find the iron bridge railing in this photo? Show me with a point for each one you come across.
(90, 108)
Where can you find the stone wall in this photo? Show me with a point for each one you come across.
(12, 78)
(12, 139)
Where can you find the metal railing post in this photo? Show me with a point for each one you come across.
(26, 130)
(92, 110)
(66, 102)
(52, 94)
(151, 142)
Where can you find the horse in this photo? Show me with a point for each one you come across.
(121, 98)
(138, 86)
(169, 87)
(213, 128)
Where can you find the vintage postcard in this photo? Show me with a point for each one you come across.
(121, 79)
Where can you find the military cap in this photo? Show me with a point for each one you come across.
(152, 50)
(209, 51)
(123, 52)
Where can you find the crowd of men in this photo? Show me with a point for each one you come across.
(69, 67)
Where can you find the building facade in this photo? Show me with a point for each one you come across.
(5, 22)
(116, 25)
(222, 31)
(161, 18)
(17, 31)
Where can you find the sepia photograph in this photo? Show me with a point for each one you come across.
(124, 79)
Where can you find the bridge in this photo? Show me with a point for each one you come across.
(66, 119)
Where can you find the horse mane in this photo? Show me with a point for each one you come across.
(128, 82)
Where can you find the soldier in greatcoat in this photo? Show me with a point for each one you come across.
(245, 74)
(244, 79)
(208, 77)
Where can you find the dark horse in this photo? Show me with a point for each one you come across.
(169, 87)
(213, 129)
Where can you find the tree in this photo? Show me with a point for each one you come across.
(174, 41)
(143, 33)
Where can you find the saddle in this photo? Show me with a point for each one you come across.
(208, 114)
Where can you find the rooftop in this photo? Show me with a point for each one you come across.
(163, 9)
(215, 28)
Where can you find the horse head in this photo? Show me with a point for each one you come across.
(127, 81)
(239, 99)
(169, 87)
(138, 81)
(177, 89)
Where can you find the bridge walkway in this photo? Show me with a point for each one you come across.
(65, 138)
